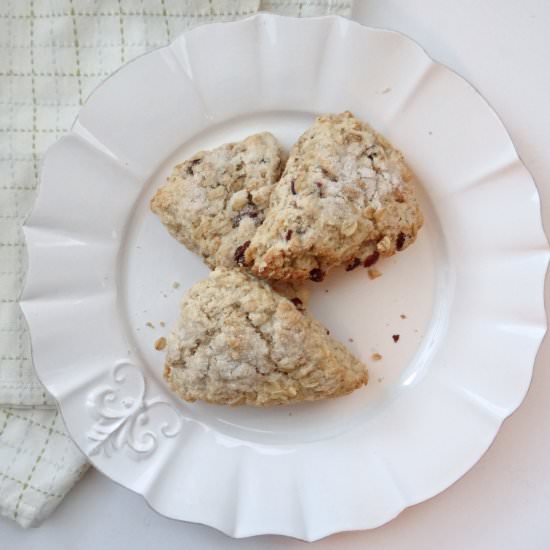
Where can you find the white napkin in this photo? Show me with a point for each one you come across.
(53, 53)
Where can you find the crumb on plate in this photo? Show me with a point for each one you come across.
(374, 273)
(160, 344)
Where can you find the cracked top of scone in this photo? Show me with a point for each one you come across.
(213, 202)
(345, 197)
(239, 342)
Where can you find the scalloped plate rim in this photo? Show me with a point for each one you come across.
(238, 530)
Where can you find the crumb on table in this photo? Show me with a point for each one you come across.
(160, 343)
(376, 356)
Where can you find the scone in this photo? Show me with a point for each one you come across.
(346, 197)
(238, 342)
(213, 202)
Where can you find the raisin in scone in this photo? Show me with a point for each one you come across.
(346, 197)
(213, 202)
(238, 342)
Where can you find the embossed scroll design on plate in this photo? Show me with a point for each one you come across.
(124, 415)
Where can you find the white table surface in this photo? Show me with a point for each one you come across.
(503, 48)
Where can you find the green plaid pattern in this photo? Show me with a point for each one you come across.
(38, 463)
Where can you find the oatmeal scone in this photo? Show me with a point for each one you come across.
(238, 342)
(213, 202)
(346, 197)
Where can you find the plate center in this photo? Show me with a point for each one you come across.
(394, 316)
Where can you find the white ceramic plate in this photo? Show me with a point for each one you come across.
(102, 267)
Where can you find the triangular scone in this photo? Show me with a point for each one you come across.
(345, 197)
(238, 342)
(213, 202)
